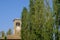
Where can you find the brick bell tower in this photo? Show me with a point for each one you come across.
(17, 27)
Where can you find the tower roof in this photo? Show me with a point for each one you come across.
(16, 19)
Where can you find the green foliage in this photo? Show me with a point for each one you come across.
(3, 34)
(24, 24)
(9, 32)
(5, 38)
(38, 23)
(56, 11)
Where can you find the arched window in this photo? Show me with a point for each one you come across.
(17, 24)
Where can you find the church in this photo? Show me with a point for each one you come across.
(16, 32)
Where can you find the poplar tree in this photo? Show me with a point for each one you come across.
(36, 19)
(48, 23)
(39, 13)
(32, 20)
(55, 7)
(39, 24)
(24, 31)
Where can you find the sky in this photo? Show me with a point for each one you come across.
(9, 10)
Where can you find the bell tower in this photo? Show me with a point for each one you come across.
(17, 27)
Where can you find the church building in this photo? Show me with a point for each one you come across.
(16, 31)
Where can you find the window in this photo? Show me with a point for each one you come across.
(17, 24)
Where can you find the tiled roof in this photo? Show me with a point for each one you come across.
(16, 19)
(13, 37)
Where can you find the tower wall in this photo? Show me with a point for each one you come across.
(17, 27)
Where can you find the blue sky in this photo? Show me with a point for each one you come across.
(9, 10)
